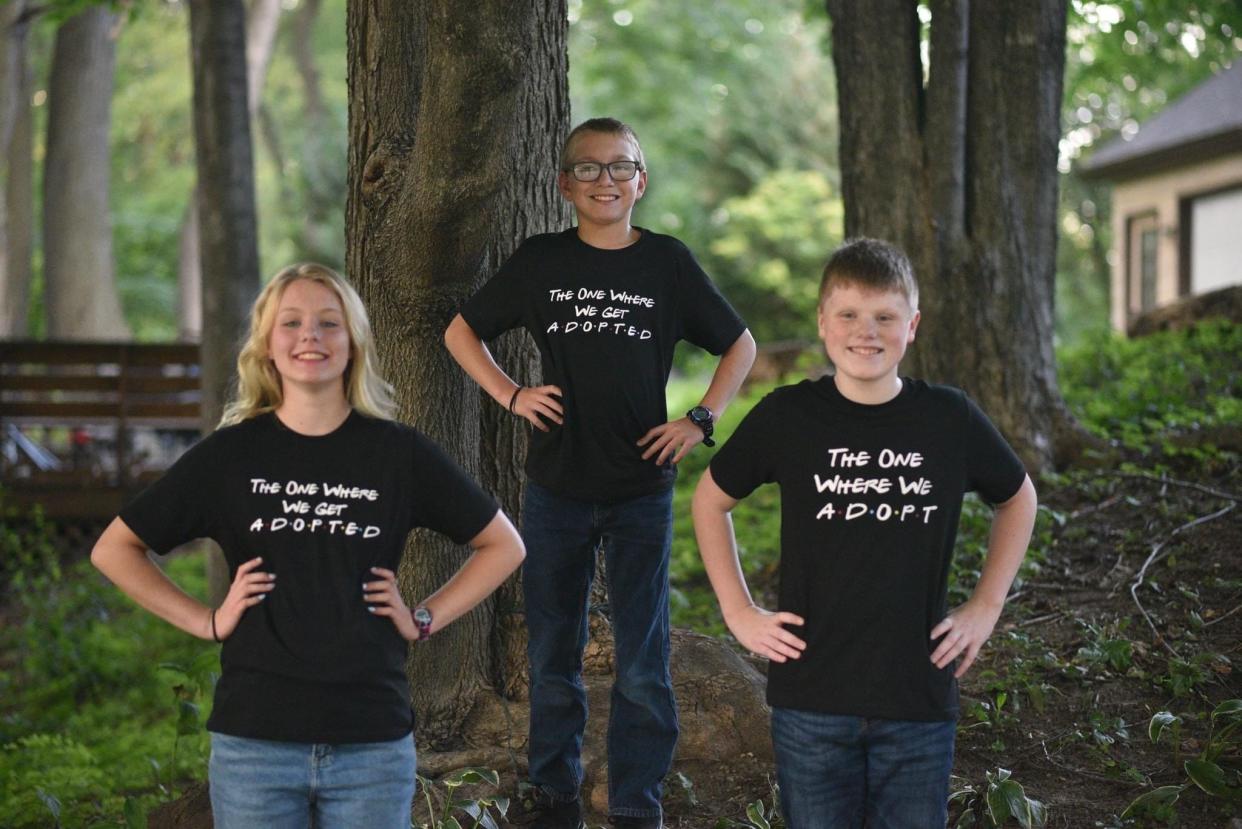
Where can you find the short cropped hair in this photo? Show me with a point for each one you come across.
(610, 126)
(871, 264)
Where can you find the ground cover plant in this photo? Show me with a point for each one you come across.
(1107, 697)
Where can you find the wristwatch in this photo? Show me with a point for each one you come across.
(702, 417)
(422, 618)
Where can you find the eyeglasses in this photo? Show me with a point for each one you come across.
(591, 170)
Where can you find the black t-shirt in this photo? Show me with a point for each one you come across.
(310, 663)
(870, 500)
(606, 323)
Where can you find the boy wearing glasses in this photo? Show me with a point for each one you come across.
(605, 302)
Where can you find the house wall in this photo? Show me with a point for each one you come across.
(1162, 194)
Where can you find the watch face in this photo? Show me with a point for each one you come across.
(700, 414)
(422, 616)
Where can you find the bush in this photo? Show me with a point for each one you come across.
(1133, 390)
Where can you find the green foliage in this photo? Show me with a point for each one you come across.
(445, 803)
(89, 717)
(1216, 770)
(733, 102)
(759, 815)
(999, 801)
(1107, 647)
(1136, 391)
(779, 235)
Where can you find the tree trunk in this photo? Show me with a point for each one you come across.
(80, 284)
(961, 173)
(456, 116)
(228, 226)
(16, 179)
(261, 26)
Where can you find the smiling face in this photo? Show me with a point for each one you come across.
(309, 341)
(602, 203)
(865, 333)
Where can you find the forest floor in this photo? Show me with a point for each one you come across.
(1136, 608)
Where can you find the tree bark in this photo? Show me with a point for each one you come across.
(16, 179)
(79, 280)
(961, 172)
(456, 115)
(225, 196)
(261, 27)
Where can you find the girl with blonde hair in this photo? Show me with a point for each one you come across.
(307, 479)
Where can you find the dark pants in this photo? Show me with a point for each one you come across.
(836, 772)
(561, 536)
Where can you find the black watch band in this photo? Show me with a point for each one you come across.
(702, 417)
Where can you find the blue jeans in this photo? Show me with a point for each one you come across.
(839, 772)
(264, 784)
(561, 537)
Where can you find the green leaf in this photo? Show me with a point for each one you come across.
(998, 805)
(1159, 722)
(450, 823)
(1156, 798)
(1016, 803)
(967, 820)
(754, 813)
(471, 775)
(135, 815)
(187, 718)
(1209, 777)
(1227, 709)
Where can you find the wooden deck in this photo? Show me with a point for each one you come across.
(84, 425)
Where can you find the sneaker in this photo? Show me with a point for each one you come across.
(539, 810)
(623, 822)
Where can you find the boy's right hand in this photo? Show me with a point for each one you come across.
(762, 633)
(536, 403)
(249, 587)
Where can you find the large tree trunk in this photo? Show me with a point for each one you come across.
(16, 179)
(456, 115)
(261, 26)
(961, 173)
(228, 226)
(79, 280)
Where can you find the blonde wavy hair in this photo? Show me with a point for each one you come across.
(258, 382)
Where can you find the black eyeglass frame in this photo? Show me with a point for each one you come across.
(572, 169)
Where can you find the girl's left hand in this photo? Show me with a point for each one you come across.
(384, 599)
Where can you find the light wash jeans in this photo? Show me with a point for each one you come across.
(264, 784)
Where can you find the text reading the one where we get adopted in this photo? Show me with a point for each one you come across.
(600, 311)
(313, 507)
(884, 473)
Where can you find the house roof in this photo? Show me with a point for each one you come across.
(1203, 123)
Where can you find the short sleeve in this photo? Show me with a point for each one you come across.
(993, 469)
(746, 461)
(498, 306)
(707, 318)
(174, 510)
(446, 499)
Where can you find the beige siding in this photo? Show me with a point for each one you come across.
(1162, 194)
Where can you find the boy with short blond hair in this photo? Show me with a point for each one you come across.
(872, 469)
(605, 303)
